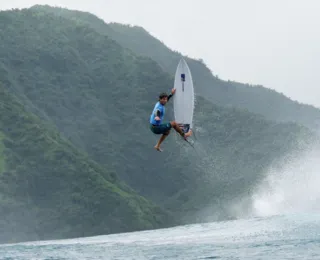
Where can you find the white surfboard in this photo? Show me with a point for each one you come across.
(183, 100)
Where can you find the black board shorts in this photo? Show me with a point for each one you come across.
(160, 129)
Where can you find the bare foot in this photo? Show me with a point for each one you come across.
(158, 148)
(188, 134)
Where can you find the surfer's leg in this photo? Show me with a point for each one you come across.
(179, 130)
(163, 136)
(164, 130)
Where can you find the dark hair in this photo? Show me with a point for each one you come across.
(163, 95)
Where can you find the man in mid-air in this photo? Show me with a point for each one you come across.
(156, 125)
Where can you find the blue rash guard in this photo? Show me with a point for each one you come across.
(158, 127)
(158, 110)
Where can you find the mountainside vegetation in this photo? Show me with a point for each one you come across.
(49, 189)
(256, 99)
(76, 152)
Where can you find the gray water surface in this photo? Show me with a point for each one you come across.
(277, 237)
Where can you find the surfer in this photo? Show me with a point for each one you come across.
(156, 125)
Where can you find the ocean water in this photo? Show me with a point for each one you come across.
(294, 236)
(284, 223)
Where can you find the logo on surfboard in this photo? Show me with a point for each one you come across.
(183, 79)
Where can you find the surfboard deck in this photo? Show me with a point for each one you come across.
(183, 100)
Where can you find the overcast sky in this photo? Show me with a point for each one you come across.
(275, 43)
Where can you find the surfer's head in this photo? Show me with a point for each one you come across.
(163, 98)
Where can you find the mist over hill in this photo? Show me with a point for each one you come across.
(77, 154)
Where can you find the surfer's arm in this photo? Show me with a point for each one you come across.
(157, 113)
(172, 93)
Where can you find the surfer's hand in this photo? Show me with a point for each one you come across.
(173, 91)
(157, 118)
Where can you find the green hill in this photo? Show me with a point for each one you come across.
(256, 99)
(49, 190)
(98, 96)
